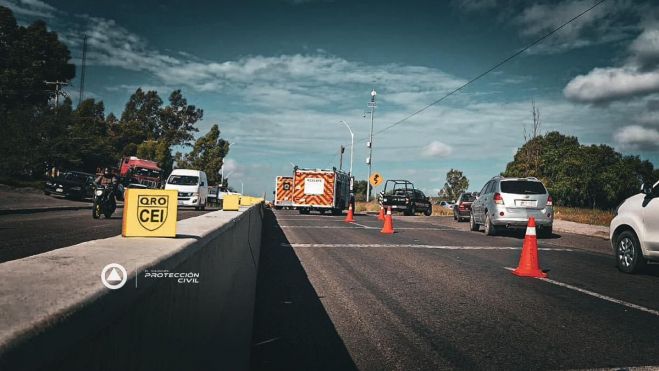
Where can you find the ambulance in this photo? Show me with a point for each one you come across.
(320, 190)
(283, 192)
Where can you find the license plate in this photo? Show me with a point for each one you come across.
(59, 190)
(526, 203)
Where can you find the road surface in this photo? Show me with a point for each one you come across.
(333, 295)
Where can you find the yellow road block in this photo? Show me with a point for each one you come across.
(231, 203)
(150, 213)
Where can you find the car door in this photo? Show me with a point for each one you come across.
(651, 220)
(420, 200)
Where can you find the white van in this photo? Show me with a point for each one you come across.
(192, 187)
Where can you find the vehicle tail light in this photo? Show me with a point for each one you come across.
(550, 201)
(461, 207)
(498, 199)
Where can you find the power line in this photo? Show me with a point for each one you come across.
(490, 69)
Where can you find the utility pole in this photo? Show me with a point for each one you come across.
(83, 68)
(341, 150)
(369, 160)
(58, 89)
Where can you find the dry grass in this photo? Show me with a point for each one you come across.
(586, 216)
(375, 207)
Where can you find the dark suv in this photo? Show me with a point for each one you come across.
(402, 196)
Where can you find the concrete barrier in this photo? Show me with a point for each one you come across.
(55, 313)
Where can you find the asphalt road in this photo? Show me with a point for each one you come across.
(333, 295)
(29, 234)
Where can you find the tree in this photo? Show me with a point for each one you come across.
(359, 188)
(207, 154)
(456, 183)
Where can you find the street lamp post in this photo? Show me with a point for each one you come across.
(352, 146)
(371, 105)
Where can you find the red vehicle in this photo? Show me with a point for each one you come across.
(462, 208)
(144, 172)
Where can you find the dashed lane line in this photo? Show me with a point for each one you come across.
(361, 226)
(440, 247)
(597, 295)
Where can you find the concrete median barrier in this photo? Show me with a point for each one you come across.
(185, 303)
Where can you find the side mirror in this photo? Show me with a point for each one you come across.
(646, 189)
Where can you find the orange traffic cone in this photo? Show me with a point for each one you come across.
(388, 227)
(381, 214)
(350, 217)
(528, 261)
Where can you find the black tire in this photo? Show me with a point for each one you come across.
(490, 229)
(428, 211)
(629, 257)
(108, 214)
(413, 210)
(455, 217)
(46, 193)
(546, 232)
(321, 211)
(96, 210)
(473, 226)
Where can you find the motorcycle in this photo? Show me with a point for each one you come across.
(104, 201)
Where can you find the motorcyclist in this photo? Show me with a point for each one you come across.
(107, 178)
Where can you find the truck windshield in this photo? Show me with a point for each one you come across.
(139, 171)
(523, 187)
(183, 180)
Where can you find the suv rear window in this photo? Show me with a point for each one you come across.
(522, 187)
(467, 198)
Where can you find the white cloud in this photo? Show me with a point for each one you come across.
(30, 8)
(638, 76)
(607, 84)
(635, 137)
(597, 26)
(437, 149)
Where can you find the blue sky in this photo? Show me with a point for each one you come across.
(279, 75)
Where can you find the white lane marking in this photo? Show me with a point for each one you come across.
(364, 226)
(599, 296)
(417, 246)
(318, 227)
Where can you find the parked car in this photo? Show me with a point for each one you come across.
(446, 204)
(192, 187)
(509, 203)
(402, 196)
(71, 184)
(635, 230)
(462, 209)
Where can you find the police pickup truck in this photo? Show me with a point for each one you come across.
(402, 196)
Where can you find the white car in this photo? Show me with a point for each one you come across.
(192, 187)
(635, 230)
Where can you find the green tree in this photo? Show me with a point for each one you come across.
(359, 188)
(456, 183)
(207, 154)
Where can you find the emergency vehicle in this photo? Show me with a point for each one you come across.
(321, 190)
(283, 192)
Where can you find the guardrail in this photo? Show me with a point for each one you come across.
(187, 302)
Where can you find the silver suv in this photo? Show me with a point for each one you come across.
(509, 203)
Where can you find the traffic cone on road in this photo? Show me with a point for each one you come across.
(350, 217)
(381, 214)
(528, 261)
(388, 227)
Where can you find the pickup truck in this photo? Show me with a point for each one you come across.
(402, 196)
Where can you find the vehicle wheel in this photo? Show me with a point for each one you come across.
(629, 257)
(322, 212)
(473, 226)
(203, 207)
(413, 210)
(107, 214)
(96, 210)
(546, 232)
(278, 207)
(490, 229)
(428, 211)
(46, 193)
(455, 217)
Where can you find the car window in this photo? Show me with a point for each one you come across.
(467, 198)
(523, 187)
(486, 188)
(183, 180)
(420, 194)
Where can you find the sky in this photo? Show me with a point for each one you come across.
(278, 76)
